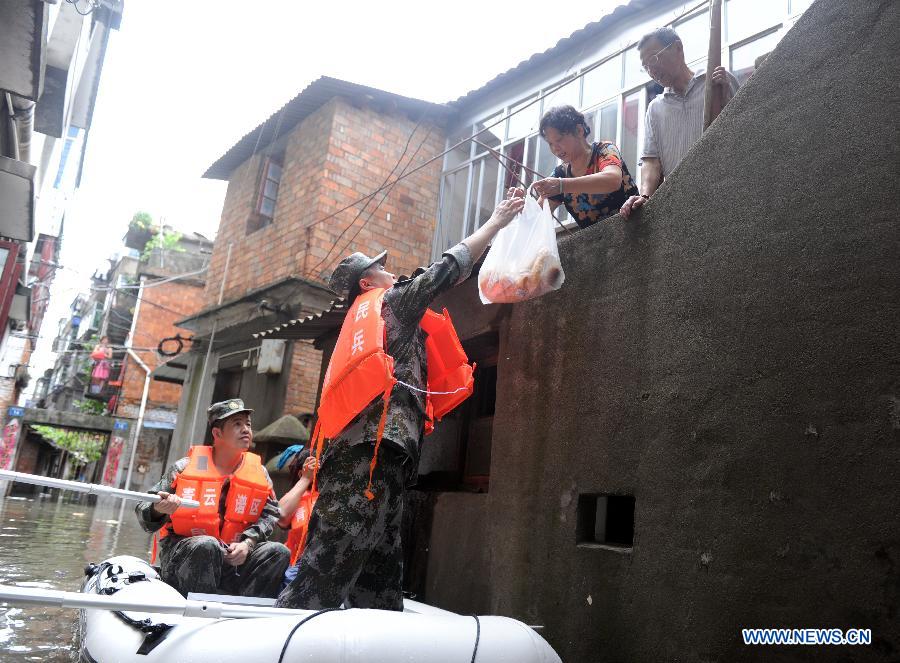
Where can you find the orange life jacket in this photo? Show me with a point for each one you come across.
(246, 499)
(360, 370)
(450, 377)
(201, 481)
(296, 540)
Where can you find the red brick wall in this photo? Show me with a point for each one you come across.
(271, 253)
(335, 156)
(331, 159)
(154, 324)
(364, 146)
(306, 363)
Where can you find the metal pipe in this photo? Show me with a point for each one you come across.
(23, 115)
(10, 143)
(129, 343)
(212, 338)
(712, 98)
(89, 488)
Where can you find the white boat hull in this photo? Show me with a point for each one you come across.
(420, 634)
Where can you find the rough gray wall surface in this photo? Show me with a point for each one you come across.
(730, 358)
(459, 560)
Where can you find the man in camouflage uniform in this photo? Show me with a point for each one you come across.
(354, 553)
(252, 566)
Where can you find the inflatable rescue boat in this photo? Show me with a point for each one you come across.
(229, 629)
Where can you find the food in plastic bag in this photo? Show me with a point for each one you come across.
(523, 262)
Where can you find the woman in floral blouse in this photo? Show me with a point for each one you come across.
(593, 181)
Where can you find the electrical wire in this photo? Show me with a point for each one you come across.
(384, 197)
(149, 284)
(369, 199)
(313, 271)
(552, 90)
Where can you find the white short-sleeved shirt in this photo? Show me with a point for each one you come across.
(674, 122)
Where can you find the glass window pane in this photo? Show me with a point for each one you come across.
(271, 189)
(743, 58)
(694, 35)
(530, 159)
(274, 172)
(591, 120)
(567, 95)
(525, 121)
(630, 125)
(744, 18)
(516, 152)
(489, 181)
(603, 82)
(4, 254)
(546, 161)
(267, 207)
(477, 167)
(453, 200)
(492, 136)
(609, 122)
(633, 74)
(460, 154)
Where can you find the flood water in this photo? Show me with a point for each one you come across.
(45, 542)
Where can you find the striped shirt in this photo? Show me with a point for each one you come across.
(674, 122)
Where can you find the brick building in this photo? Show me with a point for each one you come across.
(140, 294)
(152, 308)
(698, 432)
(287, 220)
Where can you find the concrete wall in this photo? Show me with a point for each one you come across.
(730, 359)
(458, 571)
(196, 397)
(150, 457)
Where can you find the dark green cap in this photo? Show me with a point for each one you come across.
(225, 409)
(345, 278)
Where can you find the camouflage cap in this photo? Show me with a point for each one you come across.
(345, 278)
(225, 409)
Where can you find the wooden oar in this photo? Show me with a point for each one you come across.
(89, 488)
(173, 606)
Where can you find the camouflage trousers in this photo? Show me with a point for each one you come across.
(353, 552)
(197, 564)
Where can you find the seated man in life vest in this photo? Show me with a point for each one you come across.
(296, 507)
(221, 547)
(354, 553)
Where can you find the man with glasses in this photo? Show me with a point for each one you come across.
(674, 119)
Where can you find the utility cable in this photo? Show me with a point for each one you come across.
(312, 273)
(370, 198)
(499, 121)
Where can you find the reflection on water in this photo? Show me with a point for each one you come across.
(46, 542)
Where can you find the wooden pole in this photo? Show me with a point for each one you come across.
(712, 101)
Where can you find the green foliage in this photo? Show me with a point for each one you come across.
(83, 367)
(90, 406)
(142, 221)
(167, 240)
(86, 447)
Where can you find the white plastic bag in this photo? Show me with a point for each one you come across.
(523, 262)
